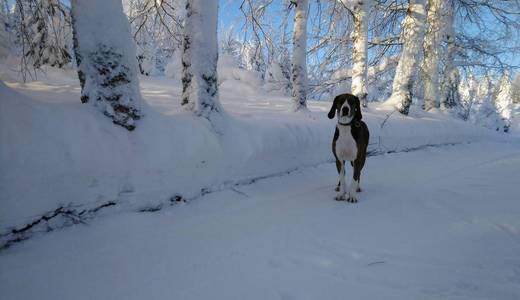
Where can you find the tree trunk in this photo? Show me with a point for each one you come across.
(451, 78)
(412, 34)
(105, 54)
(199, 59)
(359, 51)
(432, 43)
(299, 57)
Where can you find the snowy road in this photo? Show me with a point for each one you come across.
(440, 223)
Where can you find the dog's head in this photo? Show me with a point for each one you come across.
(347, 107)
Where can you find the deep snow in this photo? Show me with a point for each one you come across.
(439, 223)
(58, 152)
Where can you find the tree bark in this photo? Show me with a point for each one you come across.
(105, 55)
(199, 59)
(451, 78)
(430, 68)
(359, 51)
(299, 57)
(412, 35)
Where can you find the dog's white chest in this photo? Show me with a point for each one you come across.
(346, 148)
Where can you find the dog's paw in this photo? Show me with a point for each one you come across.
(336, 188)
(340, 197)
(358, 190)
(352, 198)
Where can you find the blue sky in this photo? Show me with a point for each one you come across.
(230, 15)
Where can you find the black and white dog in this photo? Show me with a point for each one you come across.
(349, 144)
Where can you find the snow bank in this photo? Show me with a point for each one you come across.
(57, 152)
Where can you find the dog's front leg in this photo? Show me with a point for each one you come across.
(341, 193)
(354, 185)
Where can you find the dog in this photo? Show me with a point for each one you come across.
(349, 143)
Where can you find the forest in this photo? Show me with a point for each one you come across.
(181, 149)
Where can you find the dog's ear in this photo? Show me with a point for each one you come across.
(357, 109)
(332, 111)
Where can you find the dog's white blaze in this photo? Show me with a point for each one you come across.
(346, 148)
(348, 118)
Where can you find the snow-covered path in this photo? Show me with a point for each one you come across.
(430, 224)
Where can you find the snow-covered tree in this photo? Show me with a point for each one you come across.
(156, 27)
(106, 59)
(48, 32)
(412, 34)
(451, 78)
(430, 66)
(484, 111)
(199, 59)
(504, 100)
(299, 57)
(360, 50)
(468, 91)
(275, 79)
(252, 55)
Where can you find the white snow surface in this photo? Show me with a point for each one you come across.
(439, 223)
(58, 152)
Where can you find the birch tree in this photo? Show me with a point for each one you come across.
(432, 43)
(451, 78)
(412, 34)
(360, 50)
(106, 59)
(199, 59)
(299, 57)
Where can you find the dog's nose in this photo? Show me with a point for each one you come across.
(344, 111)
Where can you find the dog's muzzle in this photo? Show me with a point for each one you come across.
(344, 112)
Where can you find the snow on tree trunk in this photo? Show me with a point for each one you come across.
(106, 58)
(412, 34)
(359, 50)
(199, 59)
(468, 92)
(504, 100)
(451, 78)
(299, 57)
(430, 67)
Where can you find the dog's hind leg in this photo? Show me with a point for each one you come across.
(341, 193)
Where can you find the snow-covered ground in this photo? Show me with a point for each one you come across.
(437, 219)
(57, 152)
(437, 223)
